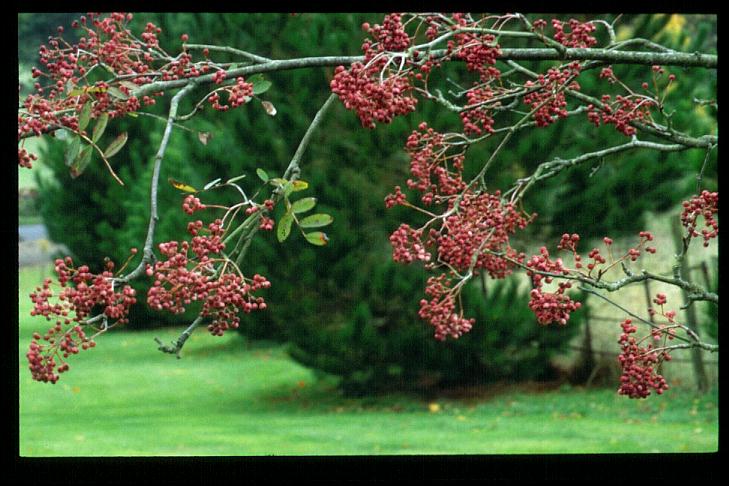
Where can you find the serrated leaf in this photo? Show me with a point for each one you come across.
(317, 238)
(76, 92)
(300, 185)
(72, 150)
(181, 185)
(204, 137)
(283, 230)
(117, 93)
(262, 175)
(303, 205)
(235, 179)
(116, 145)
(212, 184)
(316, 221)
(268, 106)
(100, 127)
(84, 117)
(81, 162)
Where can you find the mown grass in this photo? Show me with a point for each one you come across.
(229, 397)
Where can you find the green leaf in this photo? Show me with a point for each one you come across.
(283, 230)
(260, 85)
(317, 238)
(303, 205)
(235, 179)
(100, 127)
(116, 145)
(84, 116)
(262, 175)
(81, 162)
(72, 150)
(117, 93)
(300, 185)
(316, 221)
(256, 78)
(288, 188)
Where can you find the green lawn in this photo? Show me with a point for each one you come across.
(225, 398)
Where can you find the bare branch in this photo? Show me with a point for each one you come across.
(178, 343)
(148, 255)
(229, 50)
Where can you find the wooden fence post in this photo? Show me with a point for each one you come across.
(702, 383)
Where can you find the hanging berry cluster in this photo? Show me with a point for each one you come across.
(81, 293)
(639, 365)
(206, 275)
(705, 204)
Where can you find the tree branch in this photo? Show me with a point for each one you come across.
(517, 54)
(178, 343)
(148, 254)
(549, 169)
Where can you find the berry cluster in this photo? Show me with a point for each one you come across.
(238, 94)
(374, 89)
(477, 112)
(407, 245)
(107, 43)
(639, 364)
(396, 198)
(705, 204)
(578, 36)
(69, 83)
(569, 243)
(548, 99)
(481, 230)
(435, 172)
(550, 306)
(439, 311)
(622, 112)
(82, 292)
(25, 159)
(192, 204)
(181, 279)
(390, 36)
(479, 51)
(266, 223)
